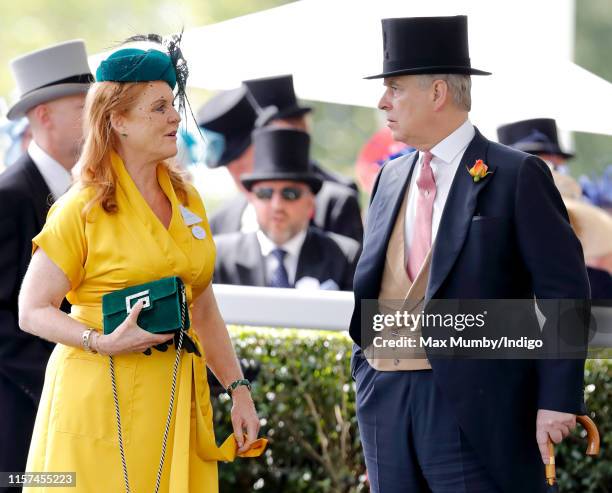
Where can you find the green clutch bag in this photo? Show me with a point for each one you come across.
(165, 306)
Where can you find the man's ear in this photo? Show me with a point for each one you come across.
(41, 114)
(440, 94)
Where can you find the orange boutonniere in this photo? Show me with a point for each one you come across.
(478, 171)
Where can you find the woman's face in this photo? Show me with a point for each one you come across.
(149, 127)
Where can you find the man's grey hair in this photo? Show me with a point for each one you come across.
(459, 85)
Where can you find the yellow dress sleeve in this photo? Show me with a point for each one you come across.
(63, 236)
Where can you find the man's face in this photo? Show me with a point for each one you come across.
(408, 107)
(283, 208)
(66, 123)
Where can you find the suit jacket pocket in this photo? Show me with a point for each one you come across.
(490, 219)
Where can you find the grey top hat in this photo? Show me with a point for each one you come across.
(51, 73)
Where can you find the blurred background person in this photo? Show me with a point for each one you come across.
(228, 120)
(15, 138)
(537, 136)
(52, 83)
(593, 227)
(598, 190)
(337, 206)
(378, 149)
(284, 252)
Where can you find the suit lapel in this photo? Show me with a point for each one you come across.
(40, 194)
(309, 261)
(458, 213)
(390, 202)
(250, 263)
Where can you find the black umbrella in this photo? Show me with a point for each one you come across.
(592, 449)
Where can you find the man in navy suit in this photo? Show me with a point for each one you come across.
(435, 232)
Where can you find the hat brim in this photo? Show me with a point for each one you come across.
(314, 182)
(437, 69)
(291, 112)
(538, 149)
(43, 95)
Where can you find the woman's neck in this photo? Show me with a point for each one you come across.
(142, 171)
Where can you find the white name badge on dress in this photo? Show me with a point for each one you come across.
(189, 217)
(199, 232)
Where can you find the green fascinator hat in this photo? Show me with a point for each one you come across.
(135, 65)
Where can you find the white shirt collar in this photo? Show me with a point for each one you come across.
(57, 178)
(292, 247)
(448, 148)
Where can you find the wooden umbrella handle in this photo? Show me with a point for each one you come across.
(592, 435)
(593, 443)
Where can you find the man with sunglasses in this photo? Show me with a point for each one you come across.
(285, 252)
(228, 120)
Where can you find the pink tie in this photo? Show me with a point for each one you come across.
(421, 236)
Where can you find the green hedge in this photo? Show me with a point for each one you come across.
(306, 400)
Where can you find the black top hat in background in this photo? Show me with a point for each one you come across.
(231, 114)
(276, 91)
(426, 45)
(281, 154)
(536, 136)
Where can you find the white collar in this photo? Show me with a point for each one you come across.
(448, 148)
(57, 178)
(292, 247)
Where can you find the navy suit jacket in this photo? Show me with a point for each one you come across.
(505, 237)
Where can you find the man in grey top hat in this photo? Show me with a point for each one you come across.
(51, 83)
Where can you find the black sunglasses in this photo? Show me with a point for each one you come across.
(288, 193)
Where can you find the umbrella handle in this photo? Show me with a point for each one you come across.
(592, 447)
(592, 435)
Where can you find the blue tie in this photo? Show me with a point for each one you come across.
(280, 278)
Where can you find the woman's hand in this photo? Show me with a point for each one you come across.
(244, 418)
(129, 337)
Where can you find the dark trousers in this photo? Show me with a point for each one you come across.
(17, 415)
(410, 437)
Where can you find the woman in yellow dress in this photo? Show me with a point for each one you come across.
(130, 218)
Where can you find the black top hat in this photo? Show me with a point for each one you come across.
(276, 91)
(536, 136)
(281, 154)
(231, 114)
(426, 45)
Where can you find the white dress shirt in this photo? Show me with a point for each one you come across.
(447, 155)
(293, 248)
(57, 178)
